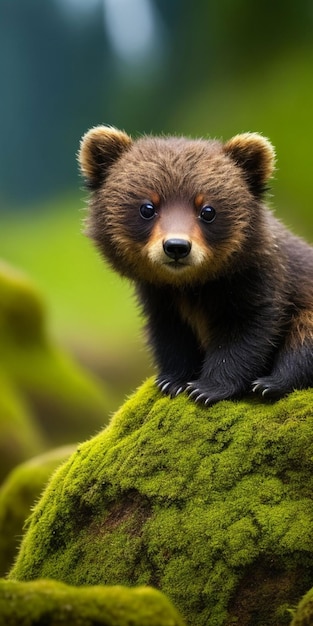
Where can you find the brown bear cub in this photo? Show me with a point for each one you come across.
(227, 290)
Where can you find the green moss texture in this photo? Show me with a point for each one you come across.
(211, 505)
(49, 603)
(45, 397)
(304, 613)
(18, 493)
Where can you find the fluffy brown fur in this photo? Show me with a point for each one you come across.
(227, 291)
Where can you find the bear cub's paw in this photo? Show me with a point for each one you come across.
(171, 386)
(270, 388)
(202, 393)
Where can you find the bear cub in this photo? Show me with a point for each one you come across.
(226, 289)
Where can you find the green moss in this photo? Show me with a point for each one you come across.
(211, 505)
(18, 493)
(303, 616)
(54, 604)
(20, 437)
(66, 402)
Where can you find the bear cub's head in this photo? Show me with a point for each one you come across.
(171, 210)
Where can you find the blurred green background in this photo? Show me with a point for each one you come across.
(207, 68)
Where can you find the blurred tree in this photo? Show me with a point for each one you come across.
(53, 75)
(214, 41)
(60, 75)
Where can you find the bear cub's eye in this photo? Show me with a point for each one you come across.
(207, 214)
(147, 211)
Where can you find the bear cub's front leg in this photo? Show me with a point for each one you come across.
(225, 375)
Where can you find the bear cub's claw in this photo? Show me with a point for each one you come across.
(170, 386)
(201, 393)
(269, 388)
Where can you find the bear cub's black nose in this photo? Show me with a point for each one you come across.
(176, 248)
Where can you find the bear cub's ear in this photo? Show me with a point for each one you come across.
(256, 156)
(100, 147)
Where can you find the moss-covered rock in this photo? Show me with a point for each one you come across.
(303, 616)
(20, 435)
(51, 603)
(18, 494)
(211, 505)
(66, 402)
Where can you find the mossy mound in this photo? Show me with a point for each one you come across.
(50, 603)
(18, 494)
(304, 614)
(66, 402)
(211, 505)
(20, 435)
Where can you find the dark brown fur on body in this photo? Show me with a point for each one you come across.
(227, 290)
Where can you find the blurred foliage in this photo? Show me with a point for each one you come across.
(20, 437)
(18, 494)
(45, 64)
(46, 398)
(51, 246)
(279, 105)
